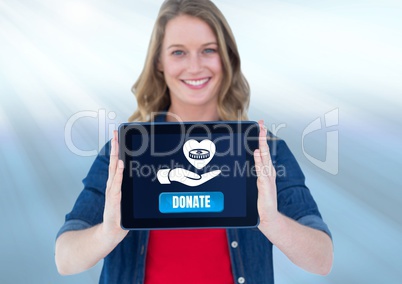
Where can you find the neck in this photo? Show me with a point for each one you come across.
(192, 113)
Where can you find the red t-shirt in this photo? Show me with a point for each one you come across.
(188, 256)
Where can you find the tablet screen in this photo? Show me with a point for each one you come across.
(180, 175)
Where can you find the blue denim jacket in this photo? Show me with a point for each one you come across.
(250, 251)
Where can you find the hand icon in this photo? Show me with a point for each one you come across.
(165, 176)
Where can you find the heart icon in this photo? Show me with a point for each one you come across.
(199, 154)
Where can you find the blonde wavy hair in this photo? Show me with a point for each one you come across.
(150, 89)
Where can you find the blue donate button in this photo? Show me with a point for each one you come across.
(184, 202)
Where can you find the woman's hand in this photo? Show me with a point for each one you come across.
(112, 214)
(308, 248)
(267, 199)
(78, 250)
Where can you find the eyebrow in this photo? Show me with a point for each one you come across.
(181, 45)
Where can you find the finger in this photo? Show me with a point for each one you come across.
(267, 167)
(113, 198)
(258, 162)
(190, 174)
(182, 175)
(204, 178)
(113, 159)
(117, 180)
(262, 170)
(207, 176)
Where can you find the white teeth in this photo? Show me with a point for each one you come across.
(196, 82)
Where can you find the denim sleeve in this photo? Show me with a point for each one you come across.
(89, 206)
(294, 198)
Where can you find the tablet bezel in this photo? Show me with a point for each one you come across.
(249, 131)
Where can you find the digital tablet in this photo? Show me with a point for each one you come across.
(188, 175)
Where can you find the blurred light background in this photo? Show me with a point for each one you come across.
(66, 69)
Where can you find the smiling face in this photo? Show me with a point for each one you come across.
(191, 63)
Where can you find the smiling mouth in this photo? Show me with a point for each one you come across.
(196, 83)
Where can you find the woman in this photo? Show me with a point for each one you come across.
(193, 71)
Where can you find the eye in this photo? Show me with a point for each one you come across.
(178, 52)
(209, 50)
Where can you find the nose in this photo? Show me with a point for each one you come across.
(195, 63)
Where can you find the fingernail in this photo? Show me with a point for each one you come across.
(121, 164)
